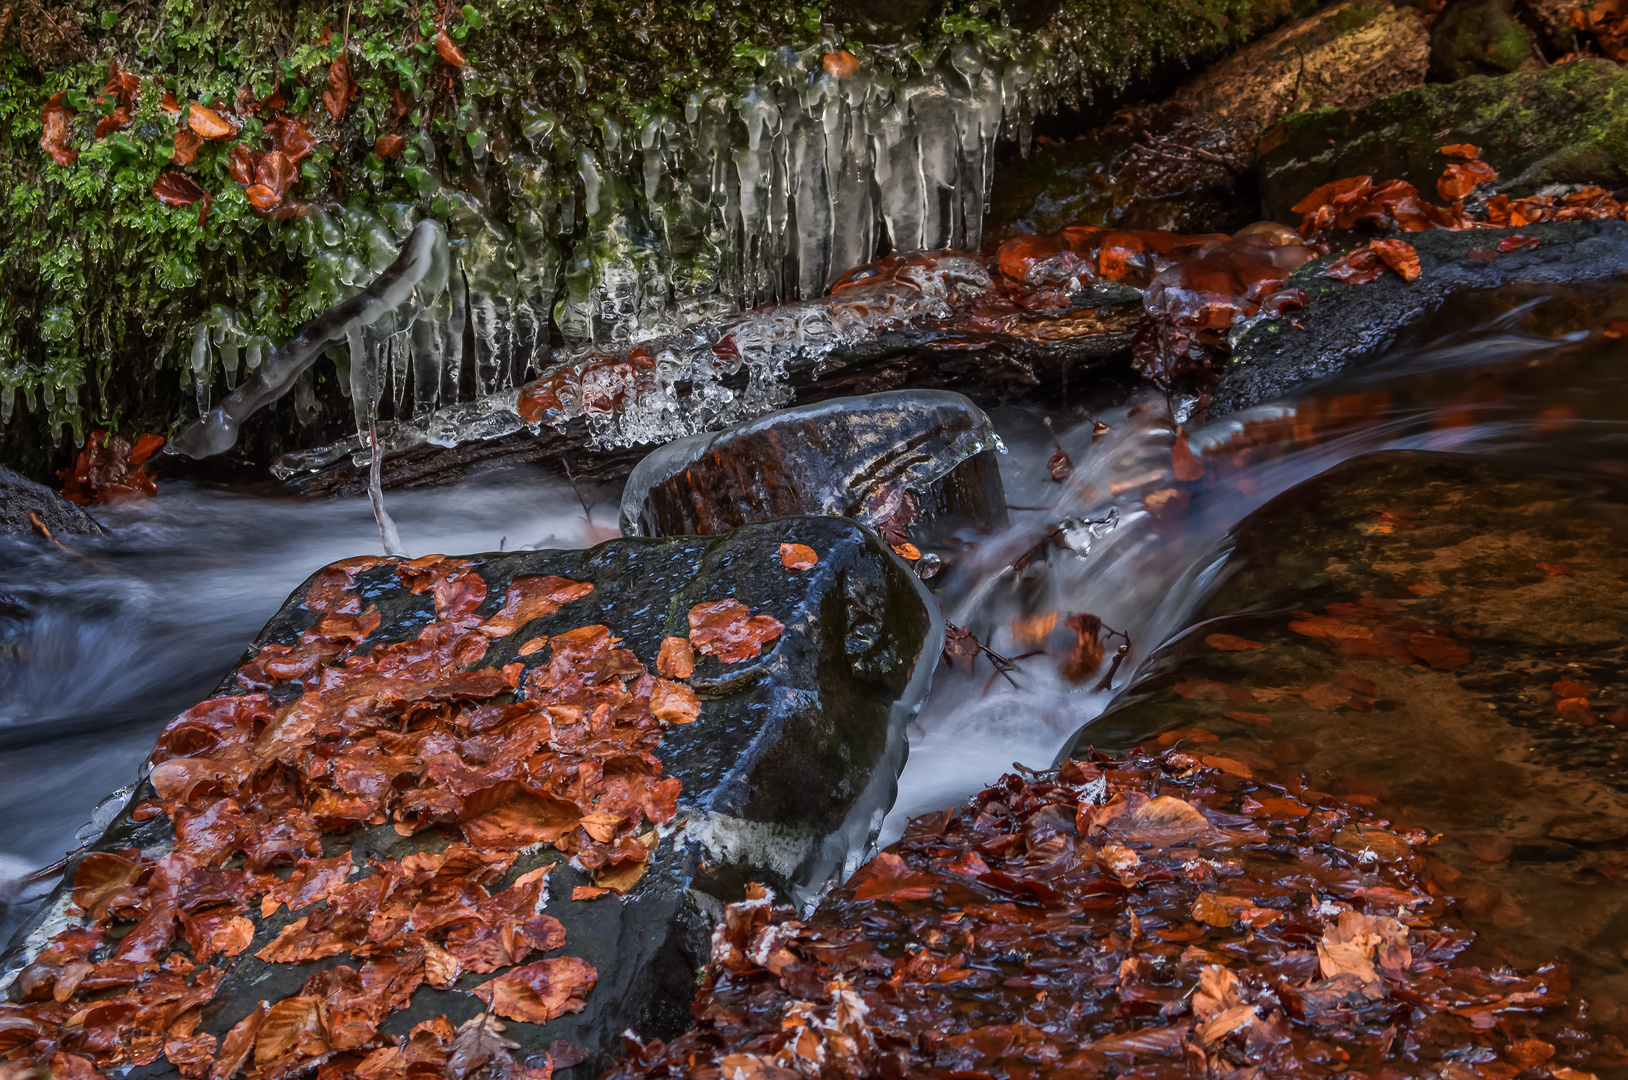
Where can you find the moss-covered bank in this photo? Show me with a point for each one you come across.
(102, 285)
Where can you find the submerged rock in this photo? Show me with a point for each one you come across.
(27, 508)
(1563, 125)
(1441, 634)
(849, 457)
(1344, 325)
(483, 739)
(1480, 37)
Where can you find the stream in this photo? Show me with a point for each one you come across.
(98, 648)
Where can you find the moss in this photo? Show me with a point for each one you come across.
(1567, 124)
(101, 285)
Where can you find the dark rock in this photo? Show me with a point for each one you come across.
(842, 457)
(1346, 325)
(1563, 125)
(785, 776)
(19, 498)
(1480, 37)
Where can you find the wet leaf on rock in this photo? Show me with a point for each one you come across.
(726, 630)
(798, 556)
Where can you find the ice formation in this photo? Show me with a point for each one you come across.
(746, 198)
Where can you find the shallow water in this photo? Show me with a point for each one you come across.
(102, 647)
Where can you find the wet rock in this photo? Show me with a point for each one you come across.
(784, 776)
(1480, 37)
(1187, 164)
(1563, 125)
(1344, 325)
(1440, 634)
(849, 457)
(21, 498)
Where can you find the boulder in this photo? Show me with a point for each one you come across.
(27, 508)
(1347, 325)
(1564, 125)
(1439, 633)
(1187, 164)
(844, 457)
(777, 725)
(1480, 37)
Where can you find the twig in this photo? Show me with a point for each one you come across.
(586, 513)
(45, 532)
(1119, 658)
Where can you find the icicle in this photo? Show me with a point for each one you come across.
(388, 534)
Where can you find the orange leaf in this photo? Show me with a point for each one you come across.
(726, 630)
(1461, 177)
(187, 143)
(798, 557)
(539, 992)
(674, 703)
(1462, 151)
(1554, 569)
(1231, 643)
(389, 146)
(1399, 256)
(207, 122)
(262, 197)
(449, 49)
(621, 878)
(841, 64)
(57, 119)
(676, 660)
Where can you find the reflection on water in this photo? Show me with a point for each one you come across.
(98, 650)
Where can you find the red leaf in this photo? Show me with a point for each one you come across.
(276, 172)
(187, 143)
(1399, 256)
(177, 189)
(1461, 177)
(290, 136)
(58, 121)
(241, 163)
(726, 630)
(537, 993)
(1516, 242)
(1462, 151)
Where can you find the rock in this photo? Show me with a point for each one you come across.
(1345, 325)
(844, 457)
(782, 779)
(1563, 125)
(1480, 37)
(1389, 629)
(19, 498)
(1185, 165)
(1343, 57)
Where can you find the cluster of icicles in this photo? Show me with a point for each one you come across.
(741, 200)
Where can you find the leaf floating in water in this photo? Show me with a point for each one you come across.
(1184, 463)
(1086, 656)
(798, 556)
(1230, 643)
(725, 629)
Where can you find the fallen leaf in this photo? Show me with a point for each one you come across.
(798, 556)
(1213, 909)
(587, 892)
(674, 703)
(621, 878)
(840, 64)
(186, 145)
(1231, 643)
(541, 991)
(1088, 651)
(1031, 631)
(1184, 463)
(389, 146)
(449, 49)
(57, 120)
(1398, 255)
(1516, 242)
(1556, 569)
(1460, 178)
(1462, 151)
(177, 189)
(724, 629)
(207, 123)
(676, 660)
(341, 88)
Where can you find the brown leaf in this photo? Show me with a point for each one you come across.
(1060, 465)
(1213, 909)
(337, 95)
(177, 189)
(621, 877)
(1398, 255)
(798, 557)
(57, 120)
(389, 146)
(539, 992)
(676, 660)
(1231, 643)
(207, 123)
(276, 172)
(960, 647)
(726, 630)
(449, 49)
(1462, 151)
(1460, 178)
(841, 64)
(1184, 463)
(1087, 653)
(1516, 242)
(674, 703)
(187, 143)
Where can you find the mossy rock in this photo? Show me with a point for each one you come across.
(101, 286)
(1479, 37)
(1564, 125)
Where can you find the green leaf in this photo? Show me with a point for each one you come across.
(110, 19)
(474, 18)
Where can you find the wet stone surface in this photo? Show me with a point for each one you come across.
(1345, 325)
(853, 457)
(19, 498)
(1441, 636)
(768, 751)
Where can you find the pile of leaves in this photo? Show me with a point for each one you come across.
(109, 469)
(339, 729)
(1173, 913)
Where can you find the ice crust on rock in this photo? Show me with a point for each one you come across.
(743, 199)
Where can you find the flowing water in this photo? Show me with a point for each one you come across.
(98, 648)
